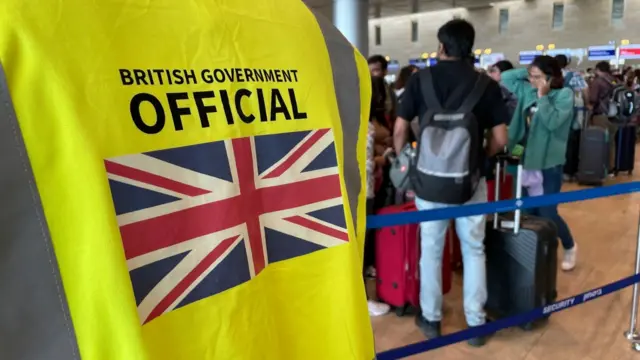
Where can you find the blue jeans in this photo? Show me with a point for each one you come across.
(432, 237)
(552, 184)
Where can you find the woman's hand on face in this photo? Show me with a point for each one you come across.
(544, 87)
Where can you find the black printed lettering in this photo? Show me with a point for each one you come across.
(134, 109)
(190, 76)
(178, 78)
(204, 110)
(268, 75)
(150, 77)
(149, 114)
(286, 75)
(262, 107)
(297, 114)
(239, 95)
(176, 110)
(140, 75)
(278, 106)
(218, 75)
(239, 75)
(224, 97)
(259, 75)
(206, 76)
(248, 74)
(229, 75)
(158, 75)
(125, 77)
(168, 75)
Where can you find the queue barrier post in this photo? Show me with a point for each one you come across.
(632, 334)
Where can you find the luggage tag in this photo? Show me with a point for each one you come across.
(507, 224)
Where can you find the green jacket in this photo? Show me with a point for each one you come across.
(549, 131)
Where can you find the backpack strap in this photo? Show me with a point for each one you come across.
(457, 94)
(475, 95)
(429, 91)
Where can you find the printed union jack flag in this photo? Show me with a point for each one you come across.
(201, 219)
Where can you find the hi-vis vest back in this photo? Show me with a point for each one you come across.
(180, 180)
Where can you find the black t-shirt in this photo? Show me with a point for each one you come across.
(447, 76)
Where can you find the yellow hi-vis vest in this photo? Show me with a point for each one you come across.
(180, 180)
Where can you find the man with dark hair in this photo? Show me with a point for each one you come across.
(454, 74)
(589, 75)
(378, 67)
(601, 90)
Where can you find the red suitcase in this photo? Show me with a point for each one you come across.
(506, 188)
(397, 256)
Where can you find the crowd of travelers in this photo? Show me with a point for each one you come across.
(527, 112)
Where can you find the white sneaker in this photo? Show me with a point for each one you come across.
(569, 259)
(377, 308)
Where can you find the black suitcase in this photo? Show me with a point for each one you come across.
(573, 153)
(626, 149)
(593, 165)
(522, 262)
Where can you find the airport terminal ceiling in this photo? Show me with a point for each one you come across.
(386, 8)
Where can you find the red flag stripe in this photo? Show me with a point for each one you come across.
(321, 228)
(252, 200)
(156, 233)
(193, 275)
(153, 179)
(297, 154)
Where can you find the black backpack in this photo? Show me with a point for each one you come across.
(448, 163)
(620, 105)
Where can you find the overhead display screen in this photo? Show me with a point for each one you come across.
(601, 52)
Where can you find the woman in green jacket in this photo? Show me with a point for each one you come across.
(539, 132)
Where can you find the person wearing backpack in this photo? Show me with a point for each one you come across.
(576, 82)
(539, 132)
(602, 89)
(455, 105)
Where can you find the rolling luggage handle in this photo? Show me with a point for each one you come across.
(508, 160)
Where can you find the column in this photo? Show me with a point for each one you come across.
(351, 17)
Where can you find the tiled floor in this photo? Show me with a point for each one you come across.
(606, 231)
